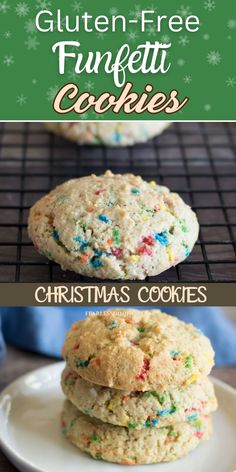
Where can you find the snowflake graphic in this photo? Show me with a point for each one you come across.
(213, 58)
(187, 79)
(136, 13)
(151, 7)
(100, 36)
(165, 38)
(113, 11)
(34, 81)
(183, 40)
(7, 34)
(77, 6)
(231, 82)
(4, 7)
(97, 116)
(181, 62)
(89, 85)
(151, 30)
(207, 107)
(184, 11)
(32, 43)
(231, 23)
(21, 99)
(132, 36)
(72, 75)
(206, 36)
(30, 27)
(8, 61)
(51, 93)
(22, 9)
(43, 4)
(84, 116)
(209, 5)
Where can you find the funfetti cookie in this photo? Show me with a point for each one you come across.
(130, 446)
(110, 134)
(138, 410)
(113, 227)
(138, 350)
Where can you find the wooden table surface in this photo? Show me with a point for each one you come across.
(18, 363)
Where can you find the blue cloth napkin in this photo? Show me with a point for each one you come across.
(42, 329)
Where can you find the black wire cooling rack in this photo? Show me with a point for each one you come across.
(197, 160)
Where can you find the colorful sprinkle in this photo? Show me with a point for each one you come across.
(145, 250)
(84, 225)
(117, 137)
(162, 397)
(84, 258)
(170, 254)
(116, 236)
(188, 362)
(168, 411)
(113, 325)
(152, 183)
(98, 252)
(117, 252)
(104, 219)
(99, 191)
(132, 425)
(176, 356)
(96, 362)
(61, 198)
(94, 438)
(197, 424)
(192, 417)
(95, 262)
(84, 437)
(174, 353)
(83, 364)
(149, 211)
(191, 379)
(187, 251)
(141, 329)
(162, 238)
(144, 370)
(98, 456)
(76, 346)
(183, 226)
(134, 258)
(55, 234)
(83, 243)
(151, 422)
(148, 240)
(135, 190)
(110, 204)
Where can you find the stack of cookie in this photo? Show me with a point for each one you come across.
(136, 386)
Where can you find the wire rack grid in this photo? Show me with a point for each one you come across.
(197, 160)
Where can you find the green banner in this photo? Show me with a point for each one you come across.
(78, 60)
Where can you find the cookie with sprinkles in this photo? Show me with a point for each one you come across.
(138, 410)
(131, 446)
(113, 227)
(109, 134)
(138, 350)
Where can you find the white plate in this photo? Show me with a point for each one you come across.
(30, 431)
